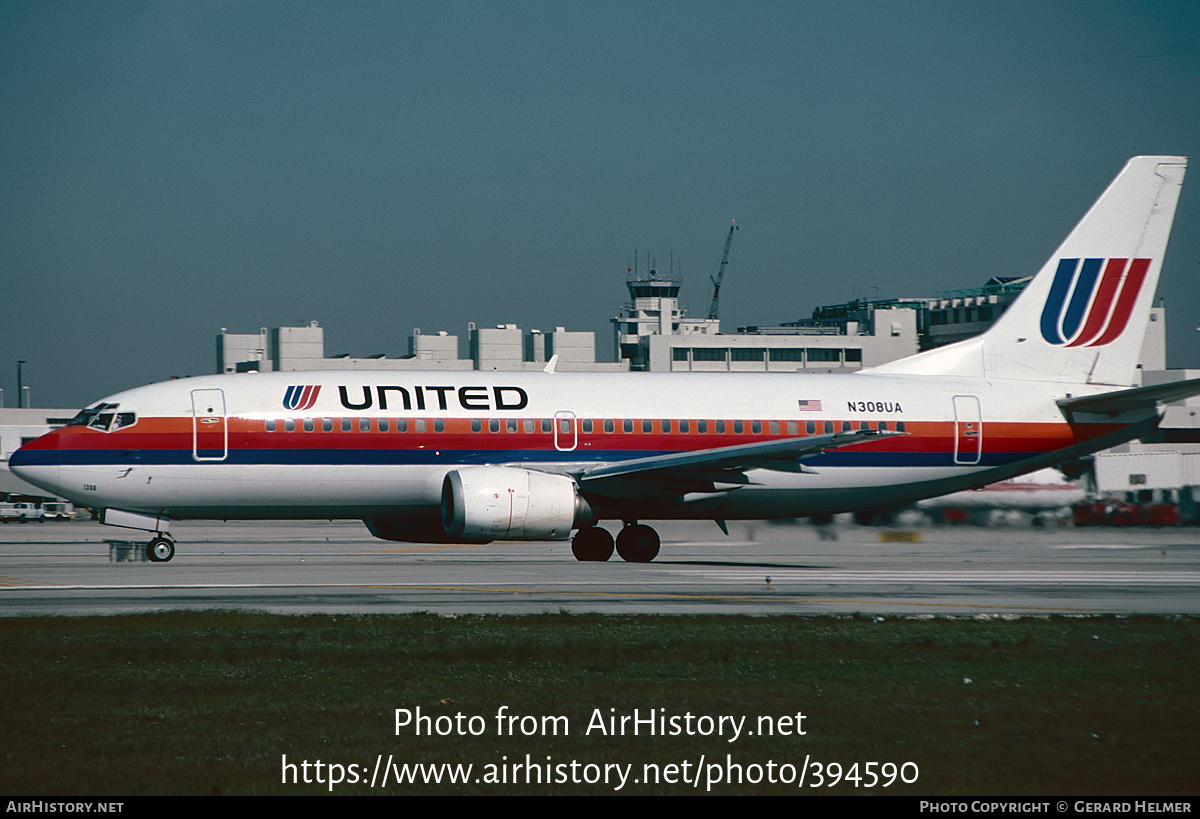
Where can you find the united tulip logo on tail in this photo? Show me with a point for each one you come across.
(1074, 317)
(301, 397)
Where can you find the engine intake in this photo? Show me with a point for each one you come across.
(503, 503)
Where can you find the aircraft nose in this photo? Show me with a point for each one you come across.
(37, 462)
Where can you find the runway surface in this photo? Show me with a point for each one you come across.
(67, 568)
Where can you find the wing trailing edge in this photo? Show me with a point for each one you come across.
(708, 469)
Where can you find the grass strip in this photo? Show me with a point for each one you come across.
(209, 702)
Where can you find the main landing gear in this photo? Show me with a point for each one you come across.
(592, 544)
(160, 549)
(636, 543)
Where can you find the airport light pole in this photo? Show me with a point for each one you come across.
(20, 392)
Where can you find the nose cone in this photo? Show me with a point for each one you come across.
(37, 462)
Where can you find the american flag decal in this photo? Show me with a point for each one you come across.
(809, 405)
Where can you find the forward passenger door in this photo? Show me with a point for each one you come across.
(210, 430)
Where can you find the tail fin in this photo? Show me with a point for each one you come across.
(1083, 316)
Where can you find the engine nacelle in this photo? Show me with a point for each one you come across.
(504, 503)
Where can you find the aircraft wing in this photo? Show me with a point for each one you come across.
(712, 470)
(1115, 403)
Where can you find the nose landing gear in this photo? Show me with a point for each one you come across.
(160, 549)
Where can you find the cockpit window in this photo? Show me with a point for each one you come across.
(86, 416)
(103, 417)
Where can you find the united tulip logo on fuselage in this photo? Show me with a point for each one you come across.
(301, 397)
(1073, 317)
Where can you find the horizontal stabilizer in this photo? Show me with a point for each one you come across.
(1115, 403)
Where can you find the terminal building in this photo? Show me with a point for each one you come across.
(505, 347)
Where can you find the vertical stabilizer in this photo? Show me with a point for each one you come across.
(1083, 317)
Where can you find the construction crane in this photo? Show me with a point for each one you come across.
(712, 311)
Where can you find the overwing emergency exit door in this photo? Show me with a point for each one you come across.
(566, 431)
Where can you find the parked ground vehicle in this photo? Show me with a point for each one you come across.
(58, 511)
(22, 512)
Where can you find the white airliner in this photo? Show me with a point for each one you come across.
(1035, 494)
(478, 456)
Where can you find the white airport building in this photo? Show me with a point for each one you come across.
(505, 347)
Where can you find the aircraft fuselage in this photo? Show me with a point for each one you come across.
(378, 443)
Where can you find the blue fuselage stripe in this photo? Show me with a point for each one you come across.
(448, 457)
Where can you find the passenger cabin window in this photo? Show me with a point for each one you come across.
(647, 425)
(720, 427)
(327, 424)
(383, 425)
(419, 425)
(364, 424)
(587, 424)
(345, 425)
(756, 427)
(308, 425)
(684, 427)
(627, 425)
(608, 425)
(702, 427)
(476, 425)
(512, 425)
(810, 427)
(738, 427)
(828, 427)
(665, 425)
(289, 425)
(530, 426)
(493, 424)
(270, 425)
(547, 425)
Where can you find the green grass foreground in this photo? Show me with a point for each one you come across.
(207, 703)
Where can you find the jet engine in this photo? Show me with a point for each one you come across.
(505, 503)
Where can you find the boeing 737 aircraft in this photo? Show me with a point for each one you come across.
(450, 457)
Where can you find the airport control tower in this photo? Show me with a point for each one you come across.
(653, 311)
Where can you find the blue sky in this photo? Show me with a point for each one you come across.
(171, 168)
